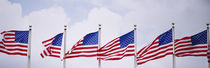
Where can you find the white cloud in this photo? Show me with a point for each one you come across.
(11, 16)
(46, 23)
(111, 28)
(151, 17)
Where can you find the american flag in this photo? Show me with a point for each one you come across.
(118, 48)
(14, 42)
(159, 48)
(52, 46)
(86, 47)
(195, 45)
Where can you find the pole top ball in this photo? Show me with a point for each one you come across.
(99, 24)
(207, 23)
(135, 25)
(65, 25)
(30, 25)
(173, 23)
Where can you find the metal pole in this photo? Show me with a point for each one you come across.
(135, 45)
(99, 44)
(173, 36)
(29, 47)
(64, 47)
(208, 43)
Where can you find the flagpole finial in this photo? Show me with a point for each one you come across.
(173, 23)
(99, 24)
(207, 23)
(30, 26)
(135, 25)
(65, 27)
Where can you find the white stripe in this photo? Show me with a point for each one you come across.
(150, 50)
(86, 46)
(117, 50)
(93, 53)
(184, 40)
(143, 60)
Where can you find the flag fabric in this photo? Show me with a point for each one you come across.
(85, 47)
(14, 42)
(52, 46)
(118, 48)
(159, 48)
(195, 45)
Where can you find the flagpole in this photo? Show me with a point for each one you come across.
(135, 45)
(173, 37)
(29, 47)
(64, 47)
(207, 24)
(99, 44)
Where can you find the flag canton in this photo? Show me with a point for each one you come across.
(21, 36)
(200, 38)
(58, 40)
(91, 39)
(127, 39)
(165, 38)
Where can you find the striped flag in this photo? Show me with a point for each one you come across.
(14, 42)
(52, 46)
(159, 48)
(195, 45)
(118, 48)
(86, 47)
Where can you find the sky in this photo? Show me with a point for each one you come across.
(117, 17)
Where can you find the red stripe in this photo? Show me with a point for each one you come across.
(56, 52)
(182, 42)
(47, 40)
(185, 45)
(55, 56)
(197, 51)
(45, 53)
(190, 48)
(193, 55)
(101, 50)
(2, 47)
(48, 44)
(105, 54)
(80, 56)
(42, 55)
(157, 57)
(7, 31)
(184, 38)
(161, 52)
(159, 48)
(117, 52)
(17, 49)
(8, 41)
(125, 55)
(81, 48)
(9, 38)
(149, 46)
(15, 53)
(8, 35)
(94, 51)
(108, 44)
(16, 45)
(55, 48)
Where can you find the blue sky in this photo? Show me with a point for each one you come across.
(117, 17)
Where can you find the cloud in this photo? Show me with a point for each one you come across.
(46, 23)
(11, 15)
(111, 28)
